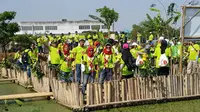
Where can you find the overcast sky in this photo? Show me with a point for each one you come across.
(130, 11)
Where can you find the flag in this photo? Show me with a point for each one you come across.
(153, 5)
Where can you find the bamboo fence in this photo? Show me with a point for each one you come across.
(116, 92)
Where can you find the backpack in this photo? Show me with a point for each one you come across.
(25, 57)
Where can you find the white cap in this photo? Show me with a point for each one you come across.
(167, 40)
(161, 38)
(134, 44)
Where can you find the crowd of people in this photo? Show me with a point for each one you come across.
(76, 55)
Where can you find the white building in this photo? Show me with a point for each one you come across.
(58, 27)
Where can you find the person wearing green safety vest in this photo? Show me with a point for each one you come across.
(78, 53)
(29, 56)
(107, 59)
(138, 37)
(175, 49)
(193, 50)
(90, 62)
(66, 64)
(95, 36)
(134, 49)
(76, 38)
(40, 41)
(61, 37)
(89, 36)
(144, 65)
(54, 53)
(54, 57)
(50, 39)
(125, 67)
(151, 37)
(17, 58)
(70, 37)
(122, 35)
(175, 52)
(162, 48)
(117, 36)
(90, 40)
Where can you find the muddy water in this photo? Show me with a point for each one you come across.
(7, 88)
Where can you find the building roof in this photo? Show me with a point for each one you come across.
(81, 21)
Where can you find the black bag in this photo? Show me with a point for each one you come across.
(25, 57)
(131, 63)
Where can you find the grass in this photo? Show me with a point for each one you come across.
(183, 106)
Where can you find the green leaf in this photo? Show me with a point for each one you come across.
(98, 19)
(18, 102)
(5, 102)
(149, 17)
(154, 9)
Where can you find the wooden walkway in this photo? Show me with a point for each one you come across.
(27, 95)
(3, 80)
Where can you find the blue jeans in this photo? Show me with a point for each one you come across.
(65, 76)
(78, 73)
(105, 74)
(19, 64)
(28, 69)
(88, 78)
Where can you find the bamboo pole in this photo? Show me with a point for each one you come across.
(150, 88)
(132, 89)
(156, 87)
(118, 91)
(129, 89)
(109, 92)
(81, 98)
(138, 88)
(96, 93)
(105, 92)
(88, 94)
(141, 88)
(197, 83)
(191, 84)
(182, 37)
(169, 86)
(123, 90)
(100, 93)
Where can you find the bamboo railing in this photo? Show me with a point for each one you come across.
(137, 89)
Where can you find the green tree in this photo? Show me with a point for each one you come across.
(24, 41)
(107, 17)
(7, 29)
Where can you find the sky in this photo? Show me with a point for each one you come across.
(130, 11)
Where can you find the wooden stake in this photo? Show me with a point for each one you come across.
(105, 93)
(109, 92)
(100, 93)
(123, 90)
